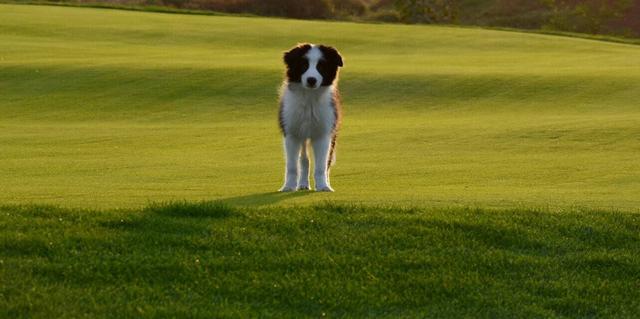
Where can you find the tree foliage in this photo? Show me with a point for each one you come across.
(590, 16)
(426, 11)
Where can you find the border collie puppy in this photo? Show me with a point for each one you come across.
(310, 114)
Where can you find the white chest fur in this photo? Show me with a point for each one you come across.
(307, 113)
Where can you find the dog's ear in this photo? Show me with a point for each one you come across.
(332, 55)
(296, 53)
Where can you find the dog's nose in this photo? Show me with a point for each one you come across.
(311, 81)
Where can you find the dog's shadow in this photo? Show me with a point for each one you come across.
(263, 199)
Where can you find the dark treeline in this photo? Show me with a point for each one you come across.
(607, 17)
(613, 17)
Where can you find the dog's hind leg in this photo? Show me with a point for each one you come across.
(303, 181)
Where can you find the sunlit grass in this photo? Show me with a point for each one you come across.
(106, 108)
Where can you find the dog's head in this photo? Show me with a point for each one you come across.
(312, 65)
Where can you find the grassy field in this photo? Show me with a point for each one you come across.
(208, 260)
(105, 112)
(105, 109)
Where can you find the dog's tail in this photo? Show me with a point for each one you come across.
(332, 151)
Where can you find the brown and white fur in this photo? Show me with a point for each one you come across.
(310, 114)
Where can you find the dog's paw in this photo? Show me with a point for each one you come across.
(287, 189)
(304, 188)
(324, 189)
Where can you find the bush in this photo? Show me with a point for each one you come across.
(427, 11)
(590, 16)
(349, 8)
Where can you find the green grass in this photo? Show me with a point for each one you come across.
(107, 108)
(211, 260)
(105, 113)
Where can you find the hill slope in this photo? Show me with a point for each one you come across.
(105, 108)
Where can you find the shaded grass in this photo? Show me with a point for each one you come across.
(186, 209)
(204, 259)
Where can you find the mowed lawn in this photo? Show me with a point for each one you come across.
(108, 108)
(209, 260)
(479, 174)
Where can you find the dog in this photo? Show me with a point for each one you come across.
(310, 114)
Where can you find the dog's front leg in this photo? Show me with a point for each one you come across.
(321, 147)
(292, 148)
(303, 179)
